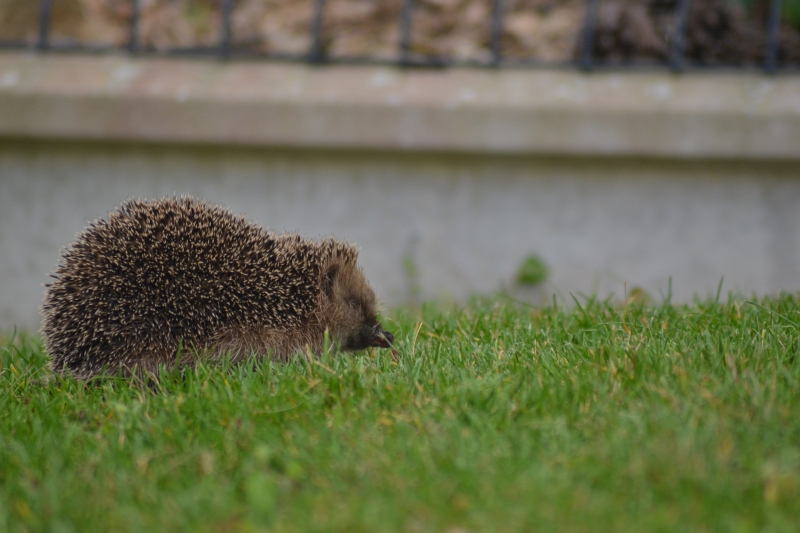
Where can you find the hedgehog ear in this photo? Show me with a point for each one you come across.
(328, 280)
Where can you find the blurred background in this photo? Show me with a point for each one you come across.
(542, 149)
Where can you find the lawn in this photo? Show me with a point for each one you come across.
(494, 417)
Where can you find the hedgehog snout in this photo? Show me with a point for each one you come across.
(381, 338)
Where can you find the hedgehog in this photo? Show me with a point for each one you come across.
(167, 282)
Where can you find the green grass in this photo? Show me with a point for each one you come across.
(493, 418)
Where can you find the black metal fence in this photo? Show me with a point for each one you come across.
(316, 54)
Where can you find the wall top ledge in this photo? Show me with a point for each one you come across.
(714, 115)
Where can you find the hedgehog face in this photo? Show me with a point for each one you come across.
(366, 337)
(352, 310)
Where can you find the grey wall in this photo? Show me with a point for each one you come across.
(465, 223)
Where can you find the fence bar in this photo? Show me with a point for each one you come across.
(678, 33)
(771, 60)
(225, 29)
(317, 54)
(406, 15)
(497, 32)
(587, 44)
(44, 24)
(133, 39)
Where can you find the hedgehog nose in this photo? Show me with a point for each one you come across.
(382, 339)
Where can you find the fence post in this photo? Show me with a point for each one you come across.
(133, 39)
(586, 60)
(773, 27)
(316, 54)
(44, 24)
(225, 29)
(497, 32)
(406, 15)
(678, 33)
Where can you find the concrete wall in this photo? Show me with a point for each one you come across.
(434, 220)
